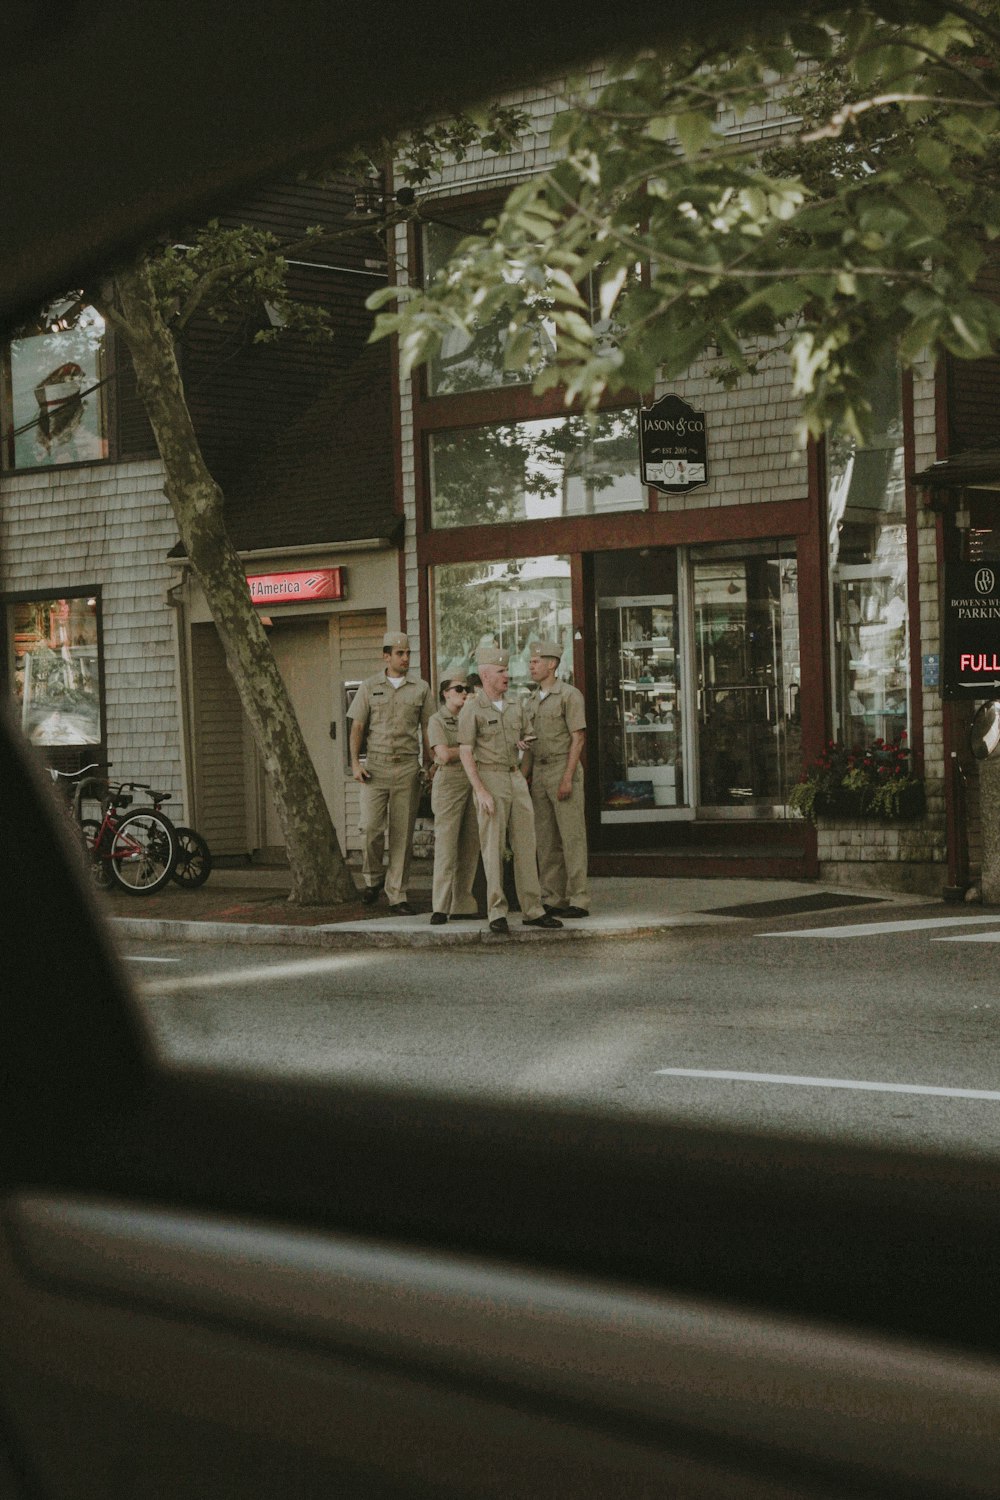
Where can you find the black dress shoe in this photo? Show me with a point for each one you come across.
(371, 893)
(499, 926)
(566, 911)
(438, 918)
(543, 921)
(402, 909)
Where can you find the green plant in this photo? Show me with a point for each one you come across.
(866, 782)
(819, 783)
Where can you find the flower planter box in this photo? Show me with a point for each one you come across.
(838, 803)
(846, 802)
(880, 787)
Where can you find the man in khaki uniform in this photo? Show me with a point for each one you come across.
(394, 709)
(490, 735)
(559, 723)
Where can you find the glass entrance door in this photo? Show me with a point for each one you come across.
(641, 750)
(746, 646)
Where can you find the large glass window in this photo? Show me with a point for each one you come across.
(524, 471)
(505, 604)
(54, 409)
(466, 361)
(868, 562)
(473, 360)
(56, 669)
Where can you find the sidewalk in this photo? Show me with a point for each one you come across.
(251, 906)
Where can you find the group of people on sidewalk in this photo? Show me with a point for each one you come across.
(505, 777)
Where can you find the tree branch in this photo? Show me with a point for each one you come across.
(842, 117)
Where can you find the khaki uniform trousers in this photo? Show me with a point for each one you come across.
(456, 841)
(513, 822)
(390, 797)
(561, 834)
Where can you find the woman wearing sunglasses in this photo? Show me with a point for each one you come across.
(456, 830)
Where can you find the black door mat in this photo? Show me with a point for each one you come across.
(791, 906)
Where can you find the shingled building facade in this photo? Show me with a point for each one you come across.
(109, 648)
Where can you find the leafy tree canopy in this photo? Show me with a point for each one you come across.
(821, 190)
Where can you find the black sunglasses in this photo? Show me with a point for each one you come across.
(458, 687)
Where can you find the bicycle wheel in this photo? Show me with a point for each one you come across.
(194, 859)
(100, 869)
(143, 852)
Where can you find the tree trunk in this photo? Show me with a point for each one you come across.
(319, 870)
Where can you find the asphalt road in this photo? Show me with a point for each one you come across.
(879, 1027)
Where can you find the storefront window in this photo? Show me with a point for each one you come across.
(698, 681)
(868, 562)
(469, 361)
(54, 411)
(523, 471)
(474, 360)
(57, 675)
(505, 604)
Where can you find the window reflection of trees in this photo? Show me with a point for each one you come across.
(505, 604)
(516, 471)
(472, 359)
(868, 560)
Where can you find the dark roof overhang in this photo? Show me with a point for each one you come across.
(949, 478)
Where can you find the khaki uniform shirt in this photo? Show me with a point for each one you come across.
(442, 729)
(491, 732)
(555, 718)
(393, 717)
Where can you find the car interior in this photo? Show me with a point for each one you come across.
(222, 1286)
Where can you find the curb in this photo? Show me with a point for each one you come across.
(259, 934)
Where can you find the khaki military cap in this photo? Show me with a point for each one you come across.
(546, 648)
(394, 640)
(490, 656)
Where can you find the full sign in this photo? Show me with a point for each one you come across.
(673, 446)
(971, 631)
(296, 588)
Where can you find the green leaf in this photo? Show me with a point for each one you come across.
(924, 204)
(610, 288)
(694, 130)
(933, 155)
(781, 298)
(517, 350)
(386, 294)
(660, 128)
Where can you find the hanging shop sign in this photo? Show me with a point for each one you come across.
(673, 446)
(297, 588)
(971, 667)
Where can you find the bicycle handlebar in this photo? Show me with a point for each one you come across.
(95, 765)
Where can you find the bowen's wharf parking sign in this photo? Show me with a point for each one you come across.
(971, 631)
(673, 446)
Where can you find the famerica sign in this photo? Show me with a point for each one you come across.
(296, 588)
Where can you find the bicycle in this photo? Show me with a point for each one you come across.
(138, 852)
(194, 858)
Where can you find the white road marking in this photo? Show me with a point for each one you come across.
(830, 1083)
(261, 974)
(970, 937)
(875, 929)
(141, 958)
